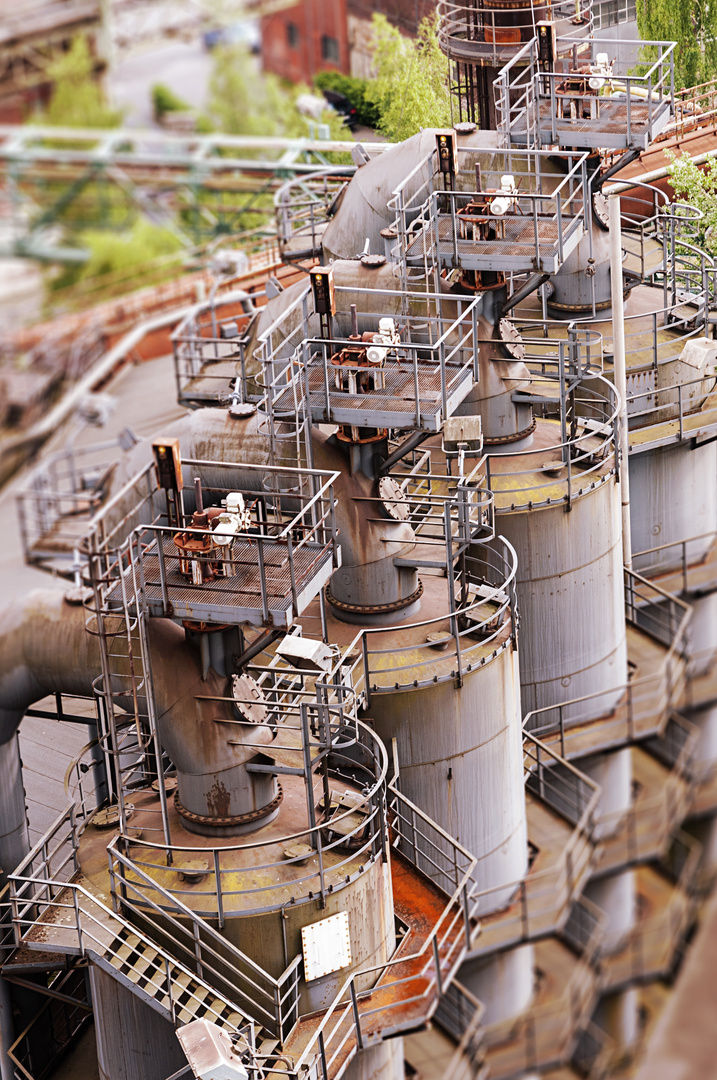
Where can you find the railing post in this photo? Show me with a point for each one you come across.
(366, 671)
(437, 961)
(357, 1019)
(197, 950)
(466, 914)
(322, 1056)
(218, 886)
(170, 994)
(78, 924)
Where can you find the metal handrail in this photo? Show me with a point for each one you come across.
(581, 464)
(430, 978)
(648, 947)
(369, 833)
(671, 628)
(34, 894)
(462, 640)
(430, 342)
(532, 905)
(297, 216)
(460, 27)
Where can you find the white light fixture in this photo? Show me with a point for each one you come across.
(210, 1052)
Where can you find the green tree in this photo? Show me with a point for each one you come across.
(245, 101)
(410, 88)
(77, 99)
(693, 25)
(354, 90)
(137, 249)
(697, 185)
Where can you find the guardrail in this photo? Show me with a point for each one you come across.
(545, 1033)
(691, 564)
(569, 110)
(645, 703)
(460, 1014)
(649, 950)
(118, 538)
(432, 363)
(205, 339)
(44, 894)
(643, 831)
(475, 31)
(583, 454)
(341, 846)
(303, 206)
(537, 904)
(695, 107)
(443, 227)
(473, 636)
(63, 494)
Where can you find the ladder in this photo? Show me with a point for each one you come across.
(117, 616)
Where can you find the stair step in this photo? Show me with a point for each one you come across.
(267, 1047)
(199, 995)
(146, 960)
(181, 979)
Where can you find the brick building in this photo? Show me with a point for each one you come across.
(313, 35)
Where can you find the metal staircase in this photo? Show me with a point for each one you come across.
(55, 915)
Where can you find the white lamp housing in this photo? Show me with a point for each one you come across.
(210, 1052)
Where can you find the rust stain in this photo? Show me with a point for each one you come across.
(218, 799)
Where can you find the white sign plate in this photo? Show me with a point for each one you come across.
(326, 946)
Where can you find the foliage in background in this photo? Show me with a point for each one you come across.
(245, 101)
(410, 88)
(355, 90)
(165, 100)
(693, 25)
(697, 185)
(112, 252)
(77, 99)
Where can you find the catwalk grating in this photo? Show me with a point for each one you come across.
(610, 127)
(237, 598)
(515, 249)
(394, 406)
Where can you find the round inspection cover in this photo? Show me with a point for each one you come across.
(392, 498)
(249, 699)
(372, 262)
(108, 816)
(511, 340)
(600, 209)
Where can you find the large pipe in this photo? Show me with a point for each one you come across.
(45, 649)
(619, 372)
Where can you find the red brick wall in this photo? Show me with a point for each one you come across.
(405, 14)
(292, 39)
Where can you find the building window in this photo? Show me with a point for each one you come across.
(329, 48)
(613, 13)
(292, 35)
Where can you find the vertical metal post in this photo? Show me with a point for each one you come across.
(620, 376)
(437, 961)
(357, 1019)
(218, 885)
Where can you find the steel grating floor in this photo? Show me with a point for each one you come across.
(237, 598)
(393, 406)
(608, 129)
(515, 248)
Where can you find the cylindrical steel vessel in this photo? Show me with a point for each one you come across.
(570, 596)
(671, 501)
